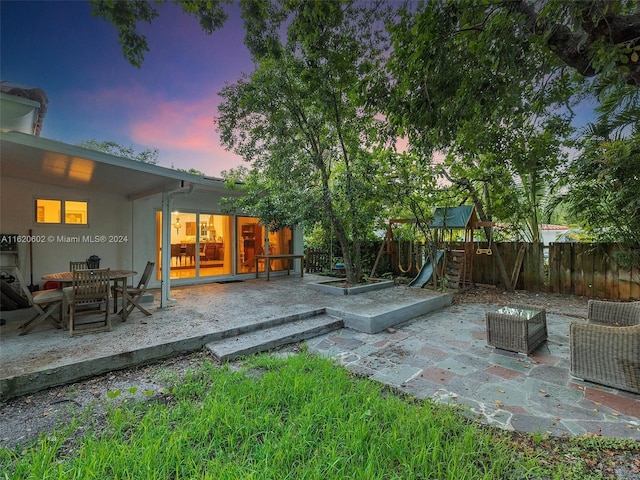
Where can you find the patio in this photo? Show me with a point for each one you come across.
(441, 355)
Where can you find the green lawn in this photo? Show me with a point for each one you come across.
(296, 417)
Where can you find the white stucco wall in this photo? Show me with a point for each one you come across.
(128, 227)
(109, 216)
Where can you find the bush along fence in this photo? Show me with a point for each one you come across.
(573, 268)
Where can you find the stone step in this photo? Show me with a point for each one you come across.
(272, 337)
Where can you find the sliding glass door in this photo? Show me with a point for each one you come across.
(200, 244)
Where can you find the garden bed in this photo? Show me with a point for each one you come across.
(341, 287)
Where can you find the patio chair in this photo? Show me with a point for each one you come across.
(77, 265)
(45, 302)
(135, 294)
(88, 296)
(606, 349)
(176, 252)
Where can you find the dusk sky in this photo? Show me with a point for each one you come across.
(95, 94)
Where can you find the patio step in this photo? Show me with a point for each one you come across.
(268, 338)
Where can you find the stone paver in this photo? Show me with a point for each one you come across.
(443, 356)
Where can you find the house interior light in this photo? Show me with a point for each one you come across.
(177, 225)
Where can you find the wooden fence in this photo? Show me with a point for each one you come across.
(591, 270)
(573, 268)
(584, 269)
(316, 261)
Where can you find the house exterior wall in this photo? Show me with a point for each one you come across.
(127, 227)
(109, 217)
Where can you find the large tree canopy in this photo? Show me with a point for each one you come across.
(490, 84)
(494, 108)
(302, 121)
(126, 15)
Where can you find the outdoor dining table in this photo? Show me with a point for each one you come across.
(115, 276)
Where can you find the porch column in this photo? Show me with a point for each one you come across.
(165, 278)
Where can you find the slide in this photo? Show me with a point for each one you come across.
(426, 271)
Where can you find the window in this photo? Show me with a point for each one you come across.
(54, 211)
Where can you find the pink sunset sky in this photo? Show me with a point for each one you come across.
(94, 94)
(168, 104)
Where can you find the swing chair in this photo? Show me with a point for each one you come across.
(410, 258)
(485, 251)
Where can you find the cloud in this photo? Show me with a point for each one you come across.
(184, 134)
(182, 129)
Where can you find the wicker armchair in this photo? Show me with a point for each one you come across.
(606, 349)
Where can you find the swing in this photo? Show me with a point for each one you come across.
(410, 261)
(485, 251)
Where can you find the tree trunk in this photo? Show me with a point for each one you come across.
(353, 273)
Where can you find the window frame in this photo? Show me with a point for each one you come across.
(39, 211)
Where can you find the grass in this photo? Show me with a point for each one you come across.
(299, 417)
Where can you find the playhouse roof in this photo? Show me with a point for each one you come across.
(454, 217)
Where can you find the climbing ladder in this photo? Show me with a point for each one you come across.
(458, 268)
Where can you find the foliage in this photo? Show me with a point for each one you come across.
(604, 191)
(489, 86)
(301, 121)
(595, 38)
(125, 16)
(490, 108)
(147, 155)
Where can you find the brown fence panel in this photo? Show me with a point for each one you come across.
(612, 274)
(564, 255)
(635, 285)
(601, 263)
(317, 260)
(483, 265)
(578, 271)
(532, 270)
(591, 270)
(508, 253)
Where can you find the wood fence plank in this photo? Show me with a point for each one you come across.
(554, 269)
(600, 267)
(577, 270)
(565, 265)
(613, 274)
(634, 293)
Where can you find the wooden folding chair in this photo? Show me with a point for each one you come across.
(77, 265)
(134, 294)
(89, 296)
(45, 302)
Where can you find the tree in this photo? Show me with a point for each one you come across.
(493, 108)
(126, 15)
(594, 37)
(603, 191)
(148, 155)
(301, 121)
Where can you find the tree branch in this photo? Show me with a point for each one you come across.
(598, 24)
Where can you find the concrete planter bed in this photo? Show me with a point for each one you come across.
(339, 287)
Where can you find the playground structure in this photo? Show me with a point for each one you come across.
(452, 257)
